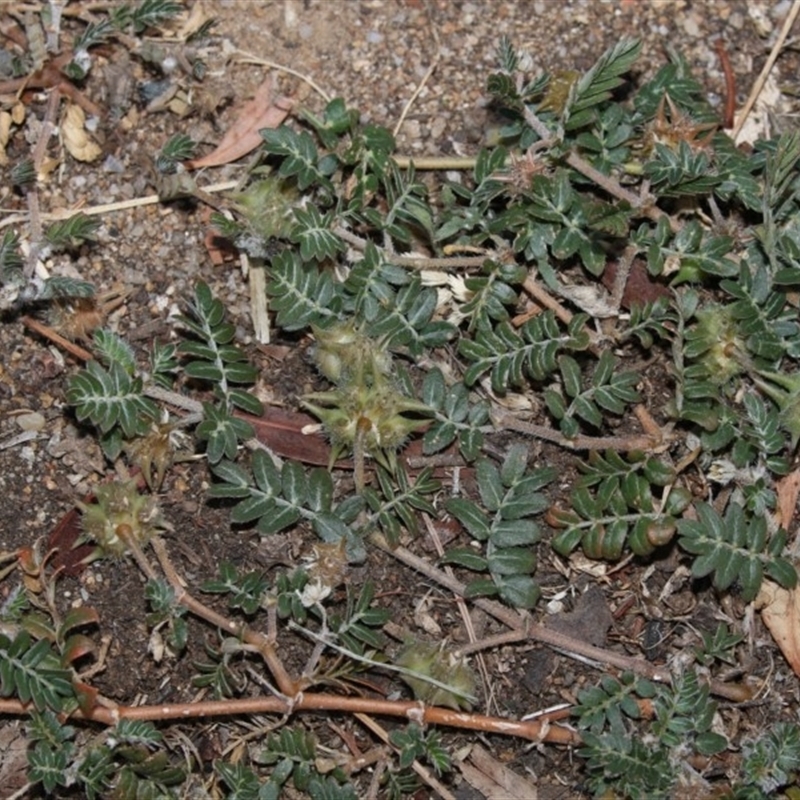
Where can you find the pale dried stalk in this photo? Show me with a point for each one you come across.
(647, 441)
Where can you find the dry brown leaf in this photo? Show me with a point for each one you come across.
(198, 16)
(787, 489)
(243, 136)
(14, 746)
(76, 139)
(780, 610)
(496, 781)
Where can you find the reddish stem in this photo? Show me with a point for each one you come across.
(730, 84)
(534, 730)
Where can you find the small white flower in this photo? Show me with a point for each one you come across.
(314, 593)
(458, 286)
(433, 277)
(722, 471)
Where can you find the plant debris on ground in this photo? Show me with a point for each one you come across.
(500, 445)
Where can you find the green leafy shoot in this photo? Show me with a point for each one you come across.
(52, 751)
(415, 744)
(23, 174)
(617, 504)
(222, 432)
(596, 85)
(32, 671)
(246, 590)
(276, 499)
(111, 397)
(606, 705)
(221, 673)
(455, 417)
(510, 496)
(214, 358)
(165, 611)
(94, 33)
(81, 62)
(292, 752)
(178, 148)
(299, 158)
(394, 508)
(718, 646)
(10, 259)
(61, 286)
(609, 391)
(111, 348)
(735, 548)
(511, 356)
(772, 760)
(145, 14)
(72, 232)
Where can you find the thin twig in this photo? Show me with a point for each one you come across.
(646, 442)
(258, 640)
(436, 162)
(463, 610)
(584, 167)
(544, 299)
(762, 78)
(420, 87)
(45, 330)
(415, 262)
(421, 770)
(624, 265)
(533, 730)
(135, 202)
(490, 642)
(248, 58)
(566, 644)
(643, 203)
(730, 84)
(48, 126)
(173, 398)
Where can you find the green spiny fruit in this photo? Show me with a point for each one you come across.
(428, 662)
(344, 355)
(365, 410)
(716, 344)
(154, 453)
(268, 206)
(120, 514)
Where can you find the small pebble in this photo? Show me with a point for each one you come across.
(33, 421)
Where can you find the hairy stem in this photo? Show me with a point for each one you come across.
(285, 683)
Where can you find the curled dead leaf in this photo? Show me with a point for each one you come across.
(780, 610)
(243, 136)
(76, 139)
(788, 489)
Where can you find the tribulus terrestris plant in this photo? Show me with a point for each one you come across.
(452, 318)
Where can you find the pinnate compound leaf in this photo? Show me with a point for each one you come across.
(111, 397)
(32, 672)
(312, 231)
(470, 516)
(732, 548)
(596, 85)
